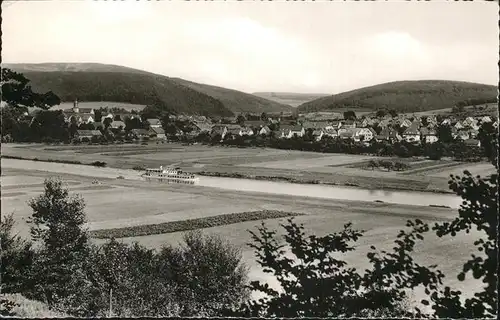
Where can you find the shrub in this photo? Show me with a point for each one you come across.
(98, 164)
(207, 273)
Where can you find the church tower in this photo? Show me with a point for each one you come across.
(75, 106)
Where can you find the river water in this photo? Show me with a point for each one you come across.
(249, 185)
(332, 192)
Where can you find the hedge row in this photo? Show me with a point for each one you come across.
(266, 178)
(190, 224)
(95, 163)
(48, 160)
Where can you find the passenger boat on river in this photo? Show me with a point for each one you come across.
(170, 175)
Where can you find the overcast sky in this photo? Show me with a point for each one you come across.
(325, 47)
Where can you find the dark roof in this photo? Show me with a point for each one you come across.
(140, 131)
(315, 124)
(254, 124)
(153, 122)
(157, 130)
(85, 110)
(413, 129)
(471, 142)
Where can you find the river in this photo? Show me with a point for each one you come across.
(249, 185)
(332, 192)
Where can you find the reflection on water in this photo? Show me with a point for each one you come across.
(332, 192)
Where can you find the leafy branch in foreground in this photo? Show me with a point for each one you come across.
(314, 281)
(479, 210)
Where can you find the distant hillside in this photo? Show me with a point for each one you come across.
(407, 96)
(133, 88)
(237, 101)
(101, 82)
(290, 98)
(69, 67)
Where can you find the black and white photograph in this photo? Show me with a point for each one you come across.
(263, 159)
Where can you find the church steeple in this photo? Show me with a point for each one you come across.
(75, 106)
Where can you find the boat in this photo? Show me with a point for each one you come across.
(170, 175)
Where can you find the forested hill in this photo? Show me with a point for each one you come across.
(237, 101)
(102, 82)
(407, 96)
(133, 88)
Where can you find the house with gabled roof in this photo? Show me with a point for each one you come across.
(288, 131)
(154, 123)
(203, 126)
(318, 134)
(117, 124)
(429, 136)
(247, 131)
(459, 125)
(157, 133)
(348, 124)
(462, 134)
(219, 129)
(473, 142)
(405, 123)
(234, 130)
(87, 134)
(347, 133)
(485, 119)
(384, 123)
(265, 130)
(331, 132)
(388, 134)
(469, 122)
(87, 117)
(336, 124)
(315, 125)
(139, 133)
(412, 133)
(367, 122)
(255, 124)
(357, 134)
(446, 121)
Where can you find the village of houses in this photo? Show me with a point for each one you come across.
(366, 129)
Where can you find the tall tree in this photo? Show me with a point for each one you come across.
(350, 115)
(17, 91)
(207, 273)
(59, 269)
(240, 119)
(488, 136)
(16, 257)
(444, 133)
(264, 116)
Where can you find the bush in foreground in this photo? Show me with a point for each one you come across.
(70, 275)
